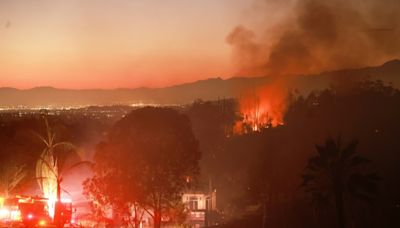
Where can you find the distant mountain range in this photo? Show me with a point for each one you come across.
(209, 89)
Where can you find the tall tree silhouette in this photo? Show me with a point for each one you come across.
(337, 171)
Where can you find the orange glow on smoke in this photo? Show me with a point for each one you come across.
(262, 107)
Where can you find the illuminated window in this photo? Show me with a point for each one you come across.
(193, 203)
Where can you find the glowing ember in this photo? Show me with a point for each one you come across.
(262, 107)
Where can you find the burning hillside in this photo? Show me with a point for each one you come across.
(263, 107)
(316, 36)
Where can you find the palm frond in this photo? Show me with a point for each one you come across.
(16, 178)
(51, 168)
(358, 160)
(64, 190)
(11, 177)
(67, 145)
(350, 150)
(41, 138)
(315, 163)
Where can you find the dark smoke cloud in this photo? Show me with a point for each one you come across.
(321, 35)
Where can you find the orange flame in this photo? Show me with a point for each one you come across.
(262, 107)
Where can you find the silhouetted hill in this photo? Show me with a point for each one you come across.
(209, 89)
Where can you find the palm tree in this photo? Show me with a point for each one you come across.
(11, 175)
(50, 168)
(336, 172)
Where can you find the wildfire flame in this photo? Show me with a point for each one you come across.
(262, 107)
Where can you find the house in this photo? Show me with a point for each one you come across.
(201, 207)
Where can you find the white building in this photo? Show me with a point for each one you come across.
(200, 207)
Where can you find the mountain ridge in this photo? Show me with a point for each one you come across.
(206, 89)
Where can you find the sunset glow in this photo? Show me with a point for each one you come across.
(110, 44)
(199, 113)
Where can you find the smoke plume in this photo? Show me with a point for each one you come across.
(314, 36)
(320, 35)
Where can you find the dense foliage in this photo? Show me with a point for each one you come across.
(148, 159)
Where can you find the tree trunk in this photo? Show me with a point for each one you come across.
(136, 218)
(157, 218)
(57, 209)
(264, 214)
(58, 190)
(340, 208)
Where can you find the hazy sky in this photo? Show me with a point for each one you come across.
(116, 43)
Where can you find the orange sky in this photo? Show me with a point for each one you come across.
(118, 43)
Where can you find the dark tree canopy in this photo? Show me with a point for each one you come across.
(275, 157)
(154, 153)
